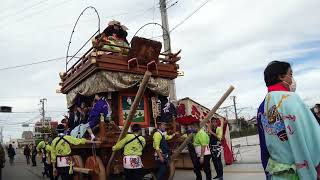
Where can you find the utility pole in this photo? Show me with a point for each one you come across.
(167, 45)
(43, 112)
(1, 135)
(235, 111)
(226, 111)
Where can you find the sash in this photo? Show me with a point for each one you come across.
(64, 161)
(282, 170)
(132, 162)
(198, 150)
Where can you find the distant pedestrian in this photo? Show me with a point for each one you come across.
(33, 155)
(27, 153)
(2, 160)
(11, 154)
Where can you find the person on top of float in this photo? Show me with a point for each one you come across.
(113, 36)
(133, 145)
(100, 108)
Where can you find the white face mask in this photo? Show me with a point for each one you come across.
(316, 110)
(293, 86)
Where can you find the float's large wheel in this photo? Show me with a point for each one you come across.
(96, 164)
(78, 162)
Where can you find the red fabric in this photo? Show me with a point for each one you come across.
(228, 155)
(277, 87)
(227, 152)
(185, 120)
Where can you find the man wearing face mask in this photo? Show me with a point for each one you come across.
(316, 112)
(287, 129)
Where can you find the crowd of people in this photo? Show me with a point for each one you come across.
(288, 131)
(83, 118)
(205, 146)
(30, 151)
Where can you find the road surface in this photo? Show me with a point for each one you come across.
(20, 170)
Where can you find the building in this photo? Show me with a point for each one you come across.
(253, 122)
(27, 138)
(23, 142)
(233, 125)
(27, 135)
(40, 126)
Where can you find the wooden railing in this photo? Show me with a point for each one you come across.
(163, 58)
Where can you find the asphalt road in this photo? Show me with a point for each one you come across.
(246, 171)
(20, 170)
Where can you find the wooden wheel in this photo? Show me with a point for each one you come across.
(78, 162)
(96, 164)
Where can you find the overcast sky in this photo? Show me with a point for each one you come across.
(224, 43)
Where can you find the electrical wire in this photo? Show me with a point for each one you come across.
(184, 20)
(5, 122)
(62, 58)
(31, 64)
(23, 9)
(189, 16)
(173, 4)
(57, 28)
(35, 13)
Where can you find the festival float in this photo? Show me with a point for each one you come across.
(134, 79)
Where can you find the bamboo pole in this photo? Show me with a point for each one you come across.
(83, 170)
(132, 112)
(188, 139)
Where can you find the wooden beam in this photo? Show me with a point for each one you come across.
(203, 123)
(83, 170)
(132, 112)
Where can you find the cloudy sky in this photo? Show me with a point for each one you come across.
(224, 43)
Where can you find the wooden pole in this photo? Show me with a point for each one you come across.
(203, 122)
(132, 112)
(83, 170)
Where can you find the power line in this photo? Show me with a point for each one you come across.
(24, 9)
(34, 63)
(173, 4)
(37, 13)
(56, 27)
(184, 20)
(189, 16)
(4, 122)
